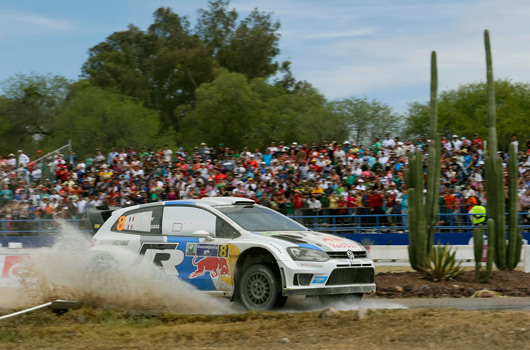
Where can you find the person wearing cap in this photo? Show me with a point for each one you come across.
(253, 162)
(478, 212)
(22, 158)
(346, 145)
(282, 148)
(465, 142)
(204, 150)
(455, 144)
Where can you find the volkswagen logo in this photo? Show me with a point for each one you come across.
(350, 254)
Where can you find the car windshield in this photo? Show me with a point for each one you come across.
(254, 218)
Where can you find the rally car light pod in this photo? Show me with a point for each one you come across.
(302, 279)
(307, 254)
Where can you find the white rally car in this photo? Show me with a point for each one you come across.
(236, 248)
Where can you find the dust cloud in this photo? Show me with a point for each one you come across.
(62, 272)
(303, 304)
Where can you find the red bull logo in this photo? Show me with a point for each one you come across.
(215, 266)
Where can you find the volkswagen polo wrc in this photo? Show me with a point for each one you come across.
(234, 248)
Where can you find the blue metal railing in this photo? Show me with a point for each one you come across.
(391, 223)
(41, 227)
(383, 223)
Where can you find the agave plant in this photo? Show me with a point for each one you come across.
(441, 264)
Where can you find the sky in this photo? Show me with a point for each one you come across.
(379, 49)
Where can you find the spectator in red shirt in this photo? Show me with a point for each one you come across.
(375, 201)
(476, 142)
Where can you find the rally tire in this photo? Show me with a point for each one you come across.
(259, 288)
(342, 299)
(280, 301)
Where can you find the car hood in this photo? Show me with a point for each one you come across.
(323, 241)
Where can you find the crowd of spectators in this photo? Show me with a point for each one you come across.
(332, 178)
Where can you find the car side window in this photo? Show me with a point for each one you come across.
(225, 230)
(183, 221)
(139, 221)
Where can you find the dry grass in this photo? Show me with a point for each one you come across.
(379, 329)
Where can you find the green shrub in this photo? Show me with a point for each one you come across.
(441, 264)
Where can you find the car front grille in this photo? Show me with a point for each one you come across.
(351, 276)
(344, 255)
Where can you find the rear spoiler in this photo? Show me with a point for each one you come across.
(98, 215)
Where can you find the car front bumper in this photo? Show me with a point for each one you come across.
(327, 278)
(330, 290)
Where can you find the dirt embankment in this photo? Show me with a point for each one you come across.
(412, 284)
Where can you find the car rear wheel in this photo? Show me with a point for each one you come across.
(343, 299)
(102, 273)
(258, 288)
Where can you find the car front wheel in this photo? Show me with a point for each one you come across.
(258, 288)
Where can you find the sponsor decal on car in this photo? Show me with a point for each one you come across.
(319, 279)
(207, 250)
(198, 249)
(311, 265)
(117, 242)
(339, 243)
(212, 265)
(191, 249)
(137, 222)
(165, 256)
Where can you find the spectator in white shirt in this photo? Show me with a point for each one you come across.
(22, 158)
(388, 142)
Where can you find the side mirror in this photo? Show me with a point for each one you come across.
(202, 234)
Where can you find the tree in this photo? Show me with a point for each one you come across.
(164, 65)
(224, 110)
(97, 118)
(161, 67)
(29, 107)
(463, 112)
(366, 119)
(248, 47)
(253, 112)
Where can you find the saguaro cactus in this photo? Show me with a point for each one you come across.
(423, 208)
(433, 163)
(478, 242)
(515, 239)
(506, 257)
(478, 245)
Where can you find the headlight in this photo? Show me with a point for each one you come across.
(307, 254)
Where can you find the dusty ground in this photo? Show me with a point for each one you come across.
(328, 329)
